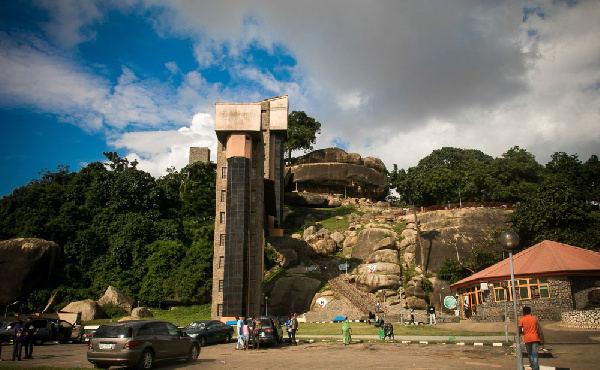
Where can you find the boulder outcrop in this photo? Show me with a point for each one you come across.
(292, 294)
(114, 296)
(332, 170)
(89, 309)
(26, 264)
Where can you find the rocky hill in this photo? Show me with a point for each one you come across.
(387, 259)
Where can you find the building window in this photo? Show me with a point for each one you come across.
(223, 172)
(222, 217)
(220, 309)
(221, 262)
(222, 239)
(223, 195)
(220, 285)
(526, 289)
(253, 196)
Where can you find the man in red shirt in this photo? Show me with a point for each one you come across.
(528, 326)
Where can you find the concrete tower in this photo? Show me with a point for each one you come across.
(249, 200)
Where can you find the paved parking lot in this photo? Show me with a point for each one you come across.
(334, 356)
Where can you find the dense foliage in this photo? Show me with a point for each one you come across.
(558, 201)
(152, 239)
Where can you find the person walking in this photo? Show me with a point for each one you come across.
(532, 336)
(412, 315)
(346, 329)
(431, 312)
(288, 328)
(30, 333)
(245, 335)
(294, 328)
(240, 334)
(256, 329)
(18, 338)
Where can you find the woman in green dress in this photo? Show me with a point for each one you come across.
(346, 329)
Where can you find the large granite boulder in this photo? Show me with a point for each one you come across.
(114, 296)
(374, 282)
(292, 294)
(27, 263)
(446, 233)
(286, 257)
(89, 309)
(333, 170)
(371, 240)
(141, 313)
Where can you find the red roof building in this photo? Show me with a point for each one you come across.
(550, 277)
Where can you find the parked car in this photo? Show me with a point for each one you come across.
(272, 331)
(209, 331)
(139, 344)
(50, 330)
(6, 331)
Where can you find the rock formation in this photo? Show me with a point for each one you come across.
(333, 171)
(89, 309)
(114, 296)
(26, 264)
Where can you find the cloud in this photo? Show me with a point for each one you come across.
(70, 21)
(158, 150)
(389, 79)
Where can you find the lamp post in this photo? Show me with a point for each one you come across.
(266, 306)
(504, 286)
(441, 306)
(510, 240)
(8, 305)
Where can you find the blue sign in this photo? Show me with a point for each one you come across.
(344, 266)
(311, 268)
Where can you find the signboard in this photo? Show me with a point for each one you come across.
(344, 266)
(484, 286)
(322, 302)
(372, 268)
(311, 268)
(449, 302)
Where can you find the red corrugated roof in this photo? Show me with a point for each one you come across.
(547, 258)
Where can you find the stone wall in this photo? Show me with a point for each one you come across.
(551, 308)
(586, 292)
(589, 319)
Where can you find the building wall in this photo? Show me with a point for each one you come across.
(550, 308)
(584, 290)
(240, 221)
(199, 154)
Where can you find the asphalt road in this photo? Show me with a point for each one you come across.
(335, 355)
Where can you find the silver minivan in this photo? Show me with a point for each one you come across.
(138, 344)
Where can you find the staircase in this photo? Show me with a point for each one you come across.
(363, 302)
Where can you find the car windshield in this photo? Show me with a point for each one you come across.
(113, 332)
(196, 325)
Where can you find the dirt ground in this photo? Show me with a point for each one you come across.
(334, 355)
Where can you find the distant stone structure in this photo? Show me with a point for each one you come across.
(249, 200)
(199, 154)
(333, 171)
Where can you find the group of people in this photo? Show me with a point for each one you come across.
(23, 335)
(245, 331)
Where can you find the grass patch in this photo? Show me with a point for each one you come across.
(360, 328)
(179, 315)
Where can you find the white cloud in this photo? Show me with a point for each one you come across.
(158, 150)
(70, 20)
(392, 79)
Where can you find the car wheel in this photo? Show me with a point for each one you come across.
(227, 338)
(203, 341)
(194, 352)
(146, 361)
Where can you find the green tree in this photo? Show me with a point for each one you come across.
(558, 211)
(302, 132)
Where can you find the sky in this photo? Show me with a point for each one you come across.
(388, 79)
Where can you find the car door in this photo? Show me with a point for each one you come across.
(161, 340)
(178, 344)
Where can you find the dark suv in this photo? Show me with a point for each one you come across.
(139, 343)
(271, 332)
